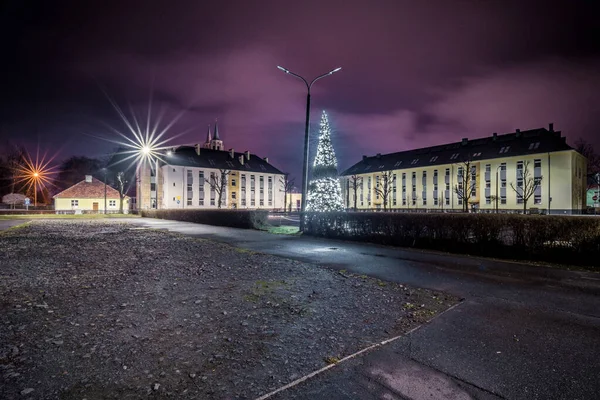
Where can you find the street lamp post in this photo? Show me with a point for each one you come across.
(306, 130)
(104, 190)
(36, 176)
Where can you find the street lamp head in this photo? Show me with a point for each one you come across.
(335, 70)
(169, 152)
(146, 150)
(283, 69)
(36, 174)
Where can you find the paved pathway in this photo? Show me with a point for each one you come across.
(522, 332)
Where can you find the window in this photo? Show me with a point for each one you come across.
(454, 156)
(369, 191)
(537, 163)
(74, 203)
(190, 184)
(232, 181)
(173, 184)
(368, 167)
(433, 159)
(174, 170)
(252, 191)
(153, 187)
(201, 188)
(534, 145)
(261, 190)
(233, 195)
(424, 201)
(416, 160)
(263, 167)
(229, 164)
(435, 173)
(488, 200)
(270, 190)
(243, 182)
(488, 168)
(112, 203)
(476, 154)
(377, 179)
(435, 201)
(447, 201)
(399, 163)
(211, 161)
(212, 188)
(473, 181)
(504, 149)
(394, 190)
(537, 199)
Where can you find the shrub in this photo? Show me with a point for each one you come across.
(247, 219)
(567, 239)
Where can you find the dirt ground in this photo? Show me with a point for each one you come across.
(102, 309)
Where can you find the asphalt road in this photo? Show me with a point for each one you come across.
(522, 332)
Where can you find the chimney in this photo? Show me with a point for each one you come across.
(241, 159)
(465, 141)
(364, 158)
(266, 159)
(378, 155)
(231, 153)
(247, 155)
(518, 131)
(88, 179)
(198, 149)
(551, 127)
(494, 136)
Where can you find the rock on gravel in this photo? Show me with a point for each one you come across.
(100, 309)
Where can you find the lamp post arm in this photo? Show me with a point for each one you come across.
(323, 76)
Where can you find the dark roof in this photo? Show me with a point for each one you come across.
(88, 190)
(533, 141)
(186, 156)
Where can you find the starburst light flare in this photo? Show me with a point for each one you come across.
(36, 175)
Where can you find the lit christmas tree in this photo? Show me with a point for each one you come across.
(324, 191)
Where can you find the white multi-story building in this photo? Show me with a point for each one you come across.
(190, 177)
(500, 168)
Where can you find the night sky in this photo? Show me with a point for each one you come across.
(415, 73)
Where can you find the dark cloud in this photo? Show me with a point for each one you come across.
(414, 73)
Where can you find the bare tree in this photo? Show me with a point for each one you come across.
(494, 200)
(526, 184)
(414, 199)
(355, 182)
(288, 185)
(121, 182)
(587, 150)
(464, 187)
(384, 186)
(218, 183)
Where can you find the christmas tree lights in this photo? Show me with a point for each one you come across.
(324, 191)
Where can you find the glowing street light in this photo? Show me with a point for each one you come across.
(306, 129)
(34, 174)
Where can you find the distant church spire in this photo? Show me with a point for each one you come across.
(208, 138)
(216, 134)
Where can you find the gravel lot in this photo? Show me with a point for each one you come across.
(99, 309)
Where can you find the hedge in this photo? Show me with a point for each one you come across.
(247, 219)
(561, 239)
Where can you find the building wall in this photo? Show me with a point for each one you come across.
(64, 204)
(562, 178)
(294, 200)
(178, 194)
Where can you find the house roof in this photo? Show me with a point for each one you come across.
(533, 141)
(88, 190)
(186, 156)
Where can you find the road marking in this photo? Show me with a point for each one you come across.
(351, 356)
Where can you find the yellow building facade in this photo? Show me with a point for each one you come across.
(547, 175)
(88, 196)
